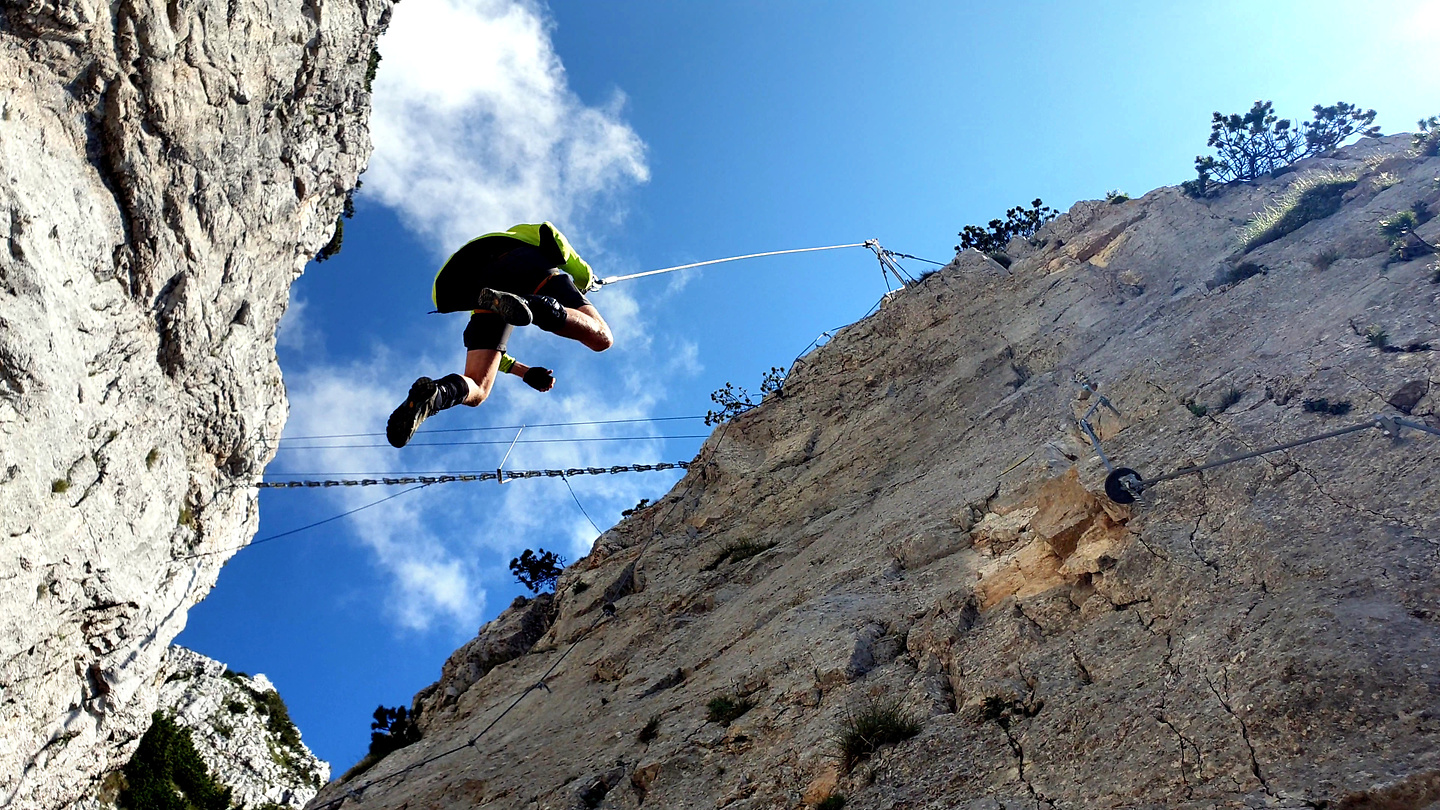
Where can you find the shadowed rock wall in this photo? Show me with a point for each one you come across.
(166, 169)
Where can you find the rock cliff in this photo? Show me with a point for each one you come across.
(917, 523)
(241, 730)
(166, 169)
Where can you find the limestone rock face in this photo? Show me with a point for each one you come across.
(925, 522)
(166, 169)
(239, 731)
(508, 637)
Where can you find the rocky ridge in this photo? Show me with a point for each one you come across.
(921, 519)
(166, 170)
(240, 730)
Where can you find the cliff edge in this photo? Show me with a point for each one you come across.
(166, 170)
(916, 523)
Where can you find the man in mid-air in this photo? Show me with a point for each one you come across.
(526, 275)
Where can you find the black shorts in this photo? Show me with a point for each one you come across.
(523, 270)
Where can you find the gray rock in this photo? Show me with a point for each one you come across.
(165, 173)
(231, 718)
(1263, 634)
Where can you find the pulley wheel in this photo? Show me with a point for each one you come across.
(1115, 485)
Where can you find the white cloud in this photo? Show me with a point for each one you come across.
(475, 127)
(439, 545)
(431, 581)
(295, 331)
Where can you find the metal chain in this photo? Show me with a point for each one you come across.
(356, 792)
(505, 475)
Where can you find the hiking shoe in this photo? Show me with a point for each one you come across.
(420, 404)
(546, 312)
(509, 306)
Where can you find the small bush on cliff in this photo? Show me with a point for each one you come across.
(537, 572)
(1019, 221)
(336, 240)
(1250, 146)
(1325, 406)
(737, 551)
(733, 404)
(726, 709)
(1312, 197)
(372, 67)
(1427, 137)
(879, 722)
(277, 718)
(167, 774)
(391, 730)
(1242, 271)
(1227, 399)
(1399, 230)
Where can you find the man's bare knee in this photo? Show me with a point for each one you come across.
(601, 340)
(478, 393)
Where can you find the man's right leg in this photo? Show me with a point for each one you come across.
(586, 325)
(559, 308)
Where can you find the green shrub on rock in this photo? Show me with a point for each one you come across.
(880, 722)
(1259, 143)
(726, 709)
(537, 571)
(1312, 197)
(1426, 142)
(167, 774)
(1019, 221)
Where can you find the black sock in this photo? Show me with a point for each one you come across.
(548, 313)
(452, 390)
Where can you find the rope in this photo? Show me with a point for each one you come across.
(506, 475)
(306, 526)
(355, 792)
(581, 505)
(1389, 425)
(916, 258)
(612, 279)
(1199, 468)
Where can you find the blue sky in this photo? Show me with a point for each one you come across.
(658, 133)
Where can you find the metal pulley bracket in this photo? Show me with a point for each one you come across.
(1124, 485)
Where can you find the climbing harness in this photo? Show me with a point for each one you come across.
(1124, 485)
(498, 475)
(888, 264)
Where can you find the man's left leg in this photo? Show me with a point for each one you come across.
(485, 339)
(482, 366)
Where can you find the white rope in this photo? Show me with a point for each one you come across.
(612, 279)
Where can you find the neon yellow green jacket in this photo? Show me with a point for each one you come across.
(545, 236)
